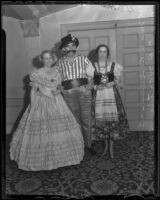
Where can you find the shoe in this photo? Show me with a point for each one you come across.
(105, 155)
(89, 151)
(98, 147)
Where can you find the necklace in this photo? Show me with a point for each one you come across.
(102, 67)
(104, 75)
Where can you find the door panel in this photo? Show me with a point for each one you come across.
(90, 39)
(135, 51)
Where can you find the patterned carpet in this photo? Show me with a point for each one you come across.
(130, 172)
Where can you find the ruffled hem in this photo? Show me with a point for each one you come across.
(47, 157)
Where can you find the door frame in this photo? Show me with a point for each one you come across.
(65, 28)
(115, 24)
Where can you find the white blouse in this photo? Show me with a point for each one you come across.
(117, 70)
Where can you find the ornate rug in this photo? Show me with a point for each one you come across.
(131, 171)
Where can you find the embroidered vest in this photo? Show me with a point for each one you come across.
(98, 75)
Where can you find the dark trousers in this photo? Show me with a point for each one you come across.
(79, 101)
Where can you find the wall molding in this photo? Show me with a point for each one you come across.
(14, 102)
(9, 128)
(65, 28)
(14, 107)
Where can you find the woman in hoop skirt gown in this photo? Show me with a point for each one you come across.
(48, 136)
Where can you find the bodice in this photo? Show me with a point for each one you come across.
(103, 75)
(49, 80)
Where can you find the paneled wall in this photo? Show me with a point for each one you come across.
(135, 50)
(131, 43)
(20, 51)
(16, 67)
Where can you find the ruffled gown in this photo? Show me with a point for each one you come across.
(48, 136)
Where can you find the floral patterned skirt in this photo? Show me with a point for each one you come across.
(110, 129)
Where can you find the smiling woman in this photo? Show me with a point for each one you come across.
(48, 136)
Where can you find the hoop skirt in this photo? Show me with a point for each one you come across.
(48, 136)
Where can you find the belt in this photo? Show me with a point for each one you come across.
(69, 84)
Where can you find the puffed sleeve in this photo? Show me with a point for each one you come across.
(89, 68)
(35, 83)
(118, 72)
(36, 79)
(59, 68)
(58, 75)
(96, 66)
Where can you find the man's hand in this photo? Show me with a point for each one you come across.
(90, 84)
(60, 87)
(62, 90)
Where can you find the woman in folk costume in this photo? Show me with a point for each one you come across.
(110, 117)
(48, 136)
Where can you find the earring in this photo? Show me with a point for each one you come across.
(40, 58)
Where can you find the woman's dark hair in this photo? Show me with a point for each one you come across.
(102, 45)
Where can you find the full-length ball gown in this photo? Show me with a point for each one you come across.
(48, 136)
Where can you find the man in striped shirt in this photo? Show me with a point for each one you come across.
(77, 74)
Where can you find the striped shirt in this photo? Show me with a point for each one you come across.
(81, 68)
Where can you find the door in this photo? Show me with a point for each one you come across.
(131, 44)
(135, 51)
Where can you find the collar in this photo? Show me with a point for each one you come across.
(66, 58)
(108, 63)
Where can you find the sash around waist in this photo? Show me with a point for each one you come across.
(73, 83)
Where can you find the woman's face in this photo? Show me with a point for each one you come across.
(47, 60)
(102, 53)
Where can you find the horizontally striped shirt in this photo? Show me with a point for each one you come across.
(81, 68)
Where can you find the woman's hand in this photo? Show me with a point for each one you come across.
(110, 84)
(45, 91)
(56, 92)
(107, 85)
(89, 86)
(100, 87)
(33, 96)
(33, 85)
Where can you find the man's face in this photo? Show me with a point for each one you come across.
(54, 58)
(70, 49)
